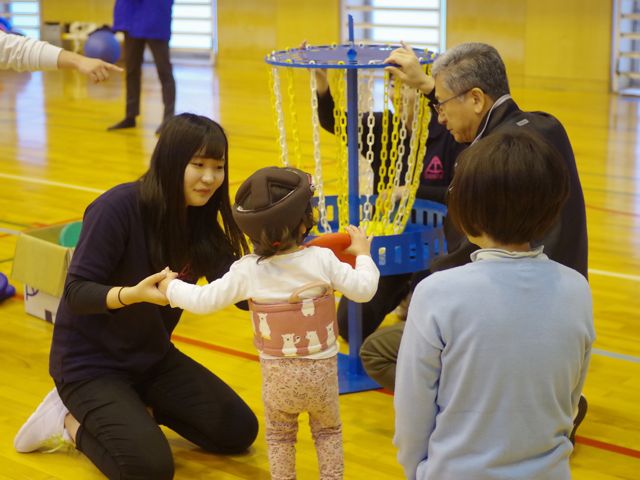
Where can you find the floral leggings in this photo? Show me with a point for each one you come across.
(291, 386)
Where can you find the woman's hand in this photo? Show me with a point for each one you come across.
(322, 80)
(360, 243)
(409, 70)
(146, 290)
(94, 69)
(395, 193)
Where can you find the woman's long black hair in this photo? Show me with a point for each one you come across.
(188, 239)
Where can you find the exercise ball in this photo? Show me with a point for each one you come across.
(5, 25)
(6, 290)
(102, 44)
(70, 234)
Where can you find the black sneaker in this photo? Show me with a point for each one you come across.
(582, 412)
(128, 122)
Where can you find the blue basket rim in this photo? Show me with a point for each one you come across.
(424, 57)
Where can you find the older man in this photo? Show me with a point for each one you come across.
(469, 90)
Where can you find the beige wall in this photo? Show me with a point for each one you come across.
(252, 28)
(67, 11)
(555, 44)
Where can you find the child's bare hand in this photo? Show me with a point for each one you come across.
(164, 284)
(360, 243)
(395, 194)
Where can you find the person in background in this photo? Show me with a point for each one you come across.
(291, 292)
(145, 22)
(440, 156)
(495, 352)
(118, 375)
(24, 54)
(469, 89)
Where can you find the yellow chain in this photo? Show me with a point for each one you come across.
(384, 140)
(386, 206)
(340, 119)
(294, 117)
(278, 114)
(425, 118)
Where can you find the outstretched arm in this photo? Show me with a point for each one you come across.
(409, 70)
(28, 54)
(85, 297)
(227, 290)
(94, 69)
(145, 291)
(360, 283)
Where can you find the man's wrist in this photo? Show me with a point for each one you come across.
(427, 86)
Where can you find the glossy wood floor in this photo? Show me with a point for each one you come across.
(55, 157)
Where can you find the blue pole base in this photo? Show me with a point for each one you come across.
(351, 376)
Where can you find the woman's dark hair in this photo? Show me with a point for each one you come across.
(188, 239)
(510, 186)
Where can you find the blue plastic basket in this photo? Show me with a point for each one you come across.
(410, 251)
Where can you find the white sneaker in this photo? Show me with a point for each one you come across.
(44, 430)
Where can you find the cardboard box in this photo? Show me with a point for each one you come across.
(41, 265)
(52, 32)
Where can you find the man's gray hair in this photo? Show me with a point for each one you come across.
(470, 65)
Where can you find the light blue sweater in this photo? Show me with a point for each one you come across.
(491, 366)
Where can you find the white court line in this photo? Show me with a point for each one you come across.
(635, 278)
(50, 183)
(619, 356)
(592, 271)
(604, 273)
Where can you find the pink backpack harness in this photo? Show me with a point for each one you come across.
(298, 328)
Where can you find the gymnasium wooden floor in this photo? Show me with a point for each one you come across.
(55, 157)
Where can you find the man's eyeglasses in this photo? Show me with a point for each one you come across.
(438, 106)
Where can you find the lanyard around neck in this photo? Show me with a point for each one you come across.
(497, 103)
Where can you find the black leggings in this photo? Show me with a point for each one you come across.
(119, 435)
(134, 55)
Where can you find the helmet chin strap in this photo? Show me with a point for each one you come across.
(496, 104)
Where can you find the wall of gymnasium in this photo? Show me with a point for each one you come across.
(551, 44)
(67, 11)
(545, 43)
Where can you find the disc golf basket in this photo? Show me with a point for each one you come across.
(407, 232)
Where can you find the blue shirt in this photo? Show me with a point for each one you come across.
(490, 370)
(143, 18)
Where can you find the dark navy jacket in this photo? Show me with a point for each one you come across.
(566, 242)
(88, 339)
(143, 18)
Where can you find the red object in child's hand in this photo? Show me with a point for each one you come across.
(338, 243)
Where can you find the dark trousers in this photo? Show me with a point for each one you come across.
(134, 51)
(391, 290)
(121, 437)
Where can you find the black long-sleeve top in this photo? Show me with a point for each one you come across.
(90, 340)
(566, 241)
(440, 156)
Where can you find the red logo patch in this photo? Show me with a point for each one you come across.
(434, 170)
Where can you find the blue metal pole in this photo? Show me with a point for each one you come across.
(354, 309)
